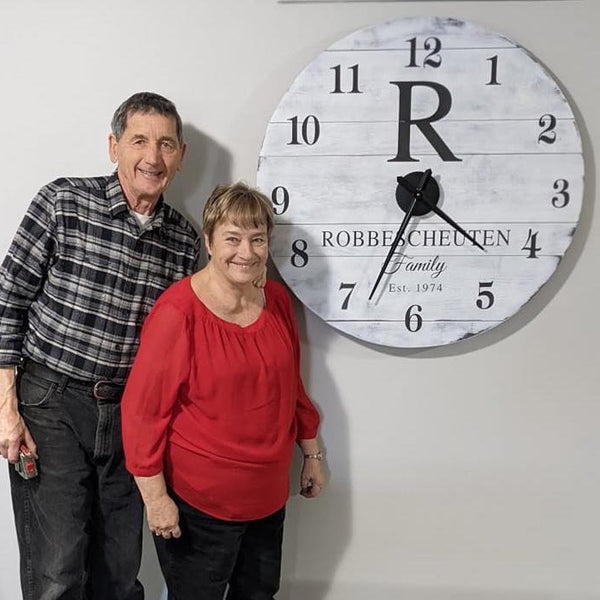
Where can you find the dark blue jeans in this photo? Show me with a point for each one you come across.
(211, 553)
(79, 521)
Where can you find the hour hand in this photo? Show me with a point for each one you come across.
(429, 203)
(438, 211)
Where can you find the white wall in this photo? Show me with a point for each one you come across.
(469, 471)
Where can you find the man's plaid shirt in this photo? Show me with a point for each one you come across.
(80, 277)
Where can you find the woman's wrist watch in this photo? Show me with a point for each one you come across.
(317, 456)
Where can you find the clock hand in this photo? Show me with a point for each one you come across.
(438, 211)
(395, 243)
(416, 196)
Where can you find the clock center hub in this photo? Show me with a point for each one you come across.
(407, 191)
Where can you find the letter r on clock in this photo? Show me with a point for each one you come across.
(405, 120)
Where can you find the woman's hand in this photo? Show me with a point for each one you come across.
(161, 512)
(311, 478)
(163, 517)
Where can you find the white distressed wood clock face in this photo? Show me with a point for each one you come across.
(440, 130)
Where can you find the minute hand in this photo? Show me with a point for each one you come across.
(416, 196)
(394, 245)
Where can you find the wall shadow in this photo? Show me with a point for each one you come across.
(327, 518)
(205, 165)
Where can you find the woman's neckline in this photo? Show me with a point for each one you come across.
(221, 318)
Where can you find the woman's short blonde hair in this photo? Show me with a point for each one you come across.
(239, 204)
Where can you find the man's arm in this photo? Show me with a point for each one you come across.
(21, 275)
(13, 431)
(23, 271)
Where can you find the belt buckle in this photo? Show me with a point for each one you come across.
(98, 386)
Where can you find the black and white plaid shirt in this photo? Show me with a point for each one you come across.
(80, 277)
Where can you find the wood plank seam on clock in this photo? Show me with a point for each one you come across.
(405, 51)
(388, 223)
(401, 320)
(446, 120)
(384, 155)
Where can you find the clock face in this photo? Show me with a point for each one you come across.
(443, 132)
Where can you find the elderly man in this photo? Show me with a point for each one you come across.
(86, 264)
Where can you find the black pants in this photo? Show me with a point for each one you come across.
(211, 553)
(79, 521)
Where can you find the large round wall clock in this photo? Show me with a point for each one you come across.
(427, 179)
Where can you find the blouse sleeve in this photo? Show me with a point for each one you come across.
(159, 370)
(307, 416)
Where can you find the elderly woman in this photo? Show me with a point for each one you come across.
(212, 409)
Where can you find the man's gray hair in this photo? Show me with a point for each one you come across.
(145, 102)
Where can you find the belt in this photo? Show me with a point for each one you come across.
(103, 389)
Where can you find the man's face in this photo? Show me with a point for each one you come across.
(148, 155)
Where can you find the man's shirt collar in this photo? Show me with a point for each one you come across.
(117, 203)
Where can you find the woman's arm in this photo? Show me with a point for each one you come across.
(146, 411)
(160, 368)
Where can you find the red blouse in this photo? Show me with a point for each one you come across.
(217, 406)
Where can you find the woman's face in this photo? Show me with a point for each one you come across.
(238, 253)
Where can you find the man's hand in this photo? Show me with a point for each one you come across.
(13, 431)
